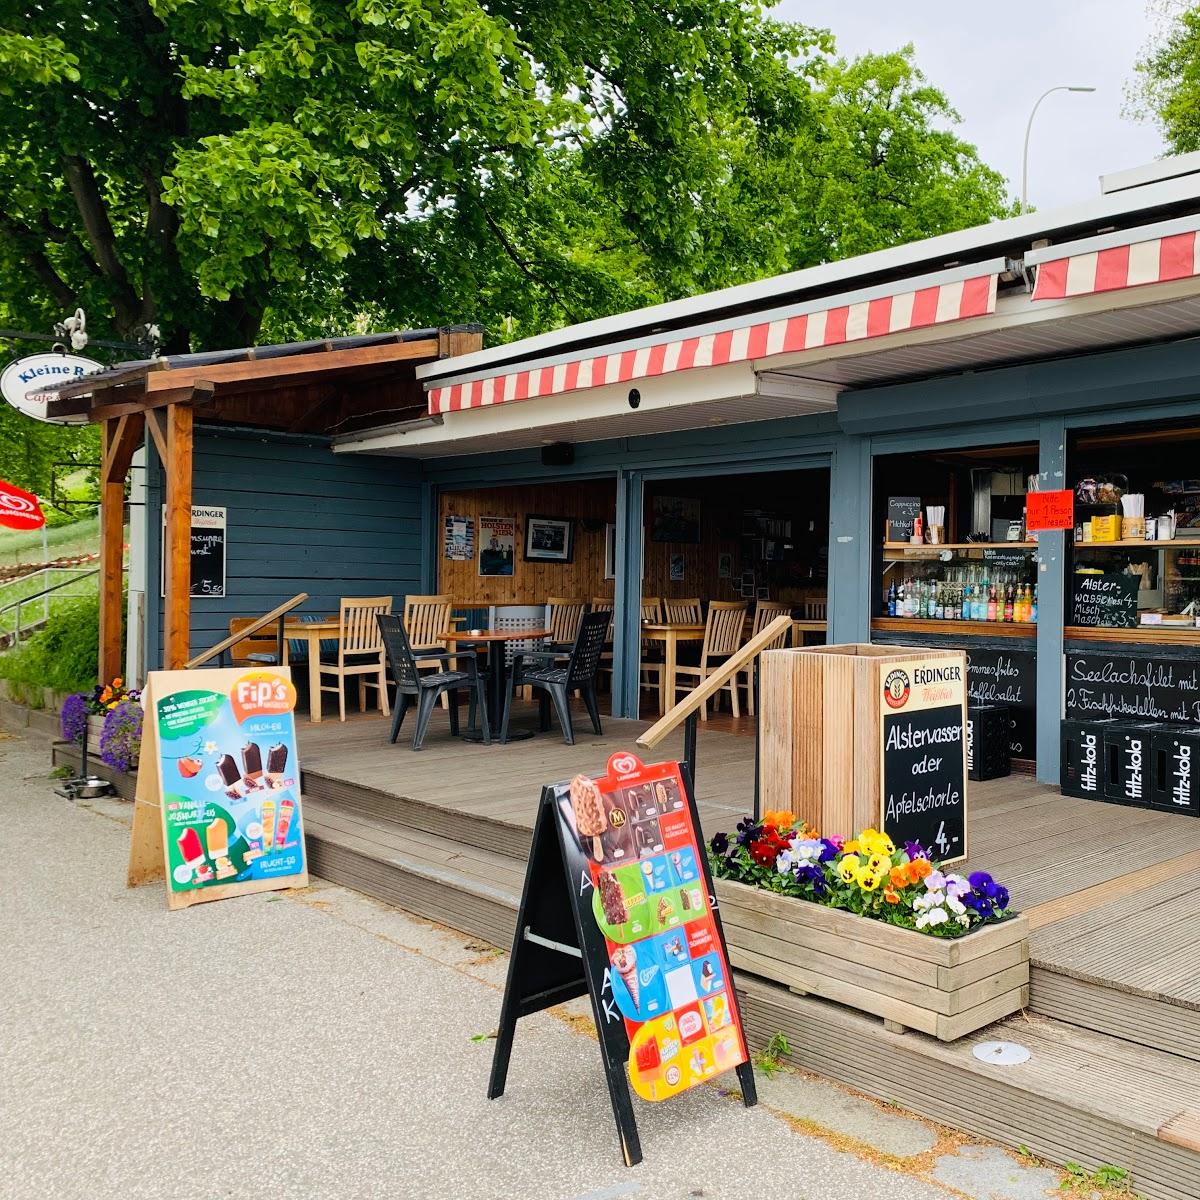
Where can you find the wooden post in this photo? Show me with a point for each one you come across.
(120, 437)
(457, 340)
(177, 544)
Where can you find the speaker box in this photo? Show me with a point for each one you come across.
(559, 454)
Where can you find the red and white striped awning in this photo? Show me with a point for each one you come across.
(1131, 258)
(938, 303)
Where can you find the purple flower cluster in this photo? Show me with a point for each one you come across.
(814, 876)
(748, 830)
(74, 716)
(986, 897)
(121, 738)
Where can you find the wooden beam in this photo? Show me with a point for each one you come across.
(158, 432)
(112, 555)
(458, 341)
(177, 545)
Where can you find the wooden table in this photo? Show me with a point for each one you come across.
(800, 628)
(670, 635)
(495, 661)
(312, 632)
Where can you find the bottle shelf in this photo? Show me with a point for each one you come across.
(1169, 543)
(925, 547)
(1013, 629)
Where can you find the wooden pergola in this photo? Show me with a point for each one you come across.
(343, 385)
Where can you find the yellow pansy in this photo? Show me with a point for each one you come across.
(852, 846)
(848, 867)
(878, 863)
(867, 879)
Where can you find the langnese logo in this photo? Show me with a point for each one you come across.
(896, 688)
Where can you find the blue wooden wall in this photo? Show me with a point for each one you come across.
(299, 519)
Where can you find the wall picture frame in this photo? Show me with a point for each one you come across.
(549, 539)
(675, 519)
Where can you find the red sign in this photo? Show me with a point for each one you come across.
(1049, 510)
(19, 509)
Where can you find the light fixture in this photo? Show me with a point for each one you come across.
(1029, 126)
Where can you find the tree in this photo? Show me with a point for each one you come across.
(239, 168)
(1168, 86)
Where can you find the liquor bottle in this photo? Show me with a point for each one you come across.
(1019, 605)
(1033, 606)
(991, 608)
(1008, 603)
(931, 599)
(966, 603)
(891, 600)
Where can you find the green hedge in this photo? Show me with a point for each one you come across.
(62, 655)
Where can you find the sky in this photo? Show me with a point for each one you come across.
(993, 59)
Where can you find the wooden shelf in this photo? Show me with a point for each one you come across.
(1173, 543)
(1024, 629)
(1149, 635)
(894, 546)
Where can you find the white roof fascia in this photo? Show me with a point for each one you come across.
(953, 275)
(1171, 167)
(1118, 237)
(949, 246)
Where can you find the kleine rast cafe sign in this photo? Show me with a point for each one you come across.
(26, 382)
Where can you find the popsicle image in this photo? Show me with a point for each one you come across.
(661, 798)
(612, 900)
(253, 844)
(590, 818)
(252, 764)
(228, 770)
(191, 850)
(287, 806)
(189, 767)
(707, 975)
(268, 824)
(216, 838)
(624, 962)
(277, 757)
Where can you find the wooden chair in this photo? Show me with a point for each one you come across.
(360, 652)
(814, 610)
(563, 616)
(259, 649)
(683, 612)
(542, 670)
(605, 604)
(425, 618)
(765, 611)
(651, 661)
(428, 686)
(722, 636)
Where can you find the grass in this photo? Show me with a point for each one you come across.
(80, 537)
(18, 589)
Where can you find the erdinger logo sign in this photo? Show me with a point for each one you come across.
(896, 688)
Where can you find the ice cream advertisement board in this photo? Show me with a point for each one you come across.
(218, 794)
(619, 882)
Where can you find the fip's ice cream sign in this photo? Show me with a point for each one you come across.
(27, 382)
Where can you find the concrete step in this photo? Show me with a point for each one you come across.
(1083, 1096)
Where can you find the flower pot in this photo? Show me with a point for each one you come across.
(946, 987)
(95, 729)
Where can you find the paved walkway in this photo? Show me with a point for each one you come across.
(318, 1045)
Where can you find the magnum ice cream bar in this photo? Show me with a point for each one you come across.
(216, 838)
(277, 756)
(612, 900)
(287, 807)
(647, 838)
(228, 770)
(193, 855)
(590, 818)
(252, 764)
(268, 825)
(617, 838)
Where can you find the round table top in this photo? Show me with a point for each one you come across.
(486, 635)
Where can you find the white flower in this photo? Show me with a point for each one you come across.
(210, 747)
(783, 864)
(954, 904)
(935, 916)
(805, 850)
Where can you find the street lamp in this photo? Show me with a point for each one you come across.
(1028, 128)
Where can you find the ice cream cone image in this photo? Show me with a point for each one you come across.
(624, 962)
(590, 817)
(216, 838)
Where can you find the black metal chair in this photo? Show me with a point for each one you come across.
(544, 670)
(427, 687)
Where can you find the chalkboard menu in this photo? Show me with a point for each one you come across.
(1120, 685)
(1008, 678)
(923, 745)
(1105, 601)
(207, 552)
(618, 904)
(902, 513)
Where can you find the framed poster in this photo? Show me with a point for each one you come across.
(207, 553)
(677, 567)
(724, 566)
(218, 788)
(549, 539)
(459, 538)
(675, 519)
(497, 545)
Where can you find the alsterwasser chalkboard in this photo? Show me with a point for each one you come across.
(1105, 601)
(923, 749)
(1007, 677)
(1120, 685)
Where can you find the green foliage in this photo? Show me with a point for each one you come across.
(1106, 1180)
(770, 1059)
(299, 167)
(62, 656)
(1169, 81)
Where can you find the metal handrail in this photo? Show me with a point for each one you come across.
(54, 587)
(687, 711)
(276, 614)
(9, 638)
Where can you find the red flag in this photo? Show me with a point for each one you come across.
(19, 509)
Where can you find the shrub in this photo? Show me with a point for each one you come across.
(62, 656)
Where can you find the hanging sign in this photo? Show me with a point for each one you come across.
(218, 787)
(19, 509)
(207, 555)
(923, 747)
(28, 383)
(618, 904)
(1049, 510)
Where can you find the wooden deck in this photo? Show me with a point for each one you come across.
(1109, 893)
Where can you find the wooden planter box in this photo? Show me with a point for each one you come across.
(946, 987)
